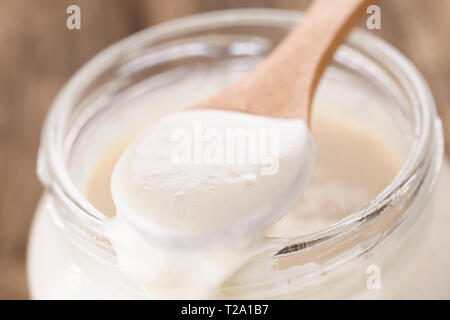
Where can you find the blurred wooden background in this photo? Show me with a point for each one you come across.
(38, 54)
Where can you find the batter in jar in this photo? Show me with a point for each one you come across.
(353, 164)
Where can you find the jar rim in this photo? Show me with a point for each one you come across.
(55, 175)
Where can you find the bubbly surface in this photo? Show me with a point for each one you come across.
(352, 165)
(208, 174)
(194, 192)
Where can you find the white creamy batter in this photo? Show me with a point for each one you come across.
(194, 192)
(211, 176)
(364, 166)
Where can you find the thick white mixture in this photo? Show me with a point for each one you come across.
(353, 164)
(195, 191)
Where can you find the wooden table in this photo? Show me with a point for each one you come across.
(38, 54)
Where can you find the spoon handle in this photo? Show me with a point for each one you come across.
(283, 85)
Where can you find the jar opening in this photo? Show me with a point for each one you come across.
(425, 154)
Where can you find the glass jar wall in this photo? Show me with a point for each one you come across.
(398, 235)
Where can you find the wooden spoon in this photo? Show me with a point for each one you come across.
(283, 86)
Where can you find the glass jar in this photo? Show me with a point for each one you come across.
(393, 247)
